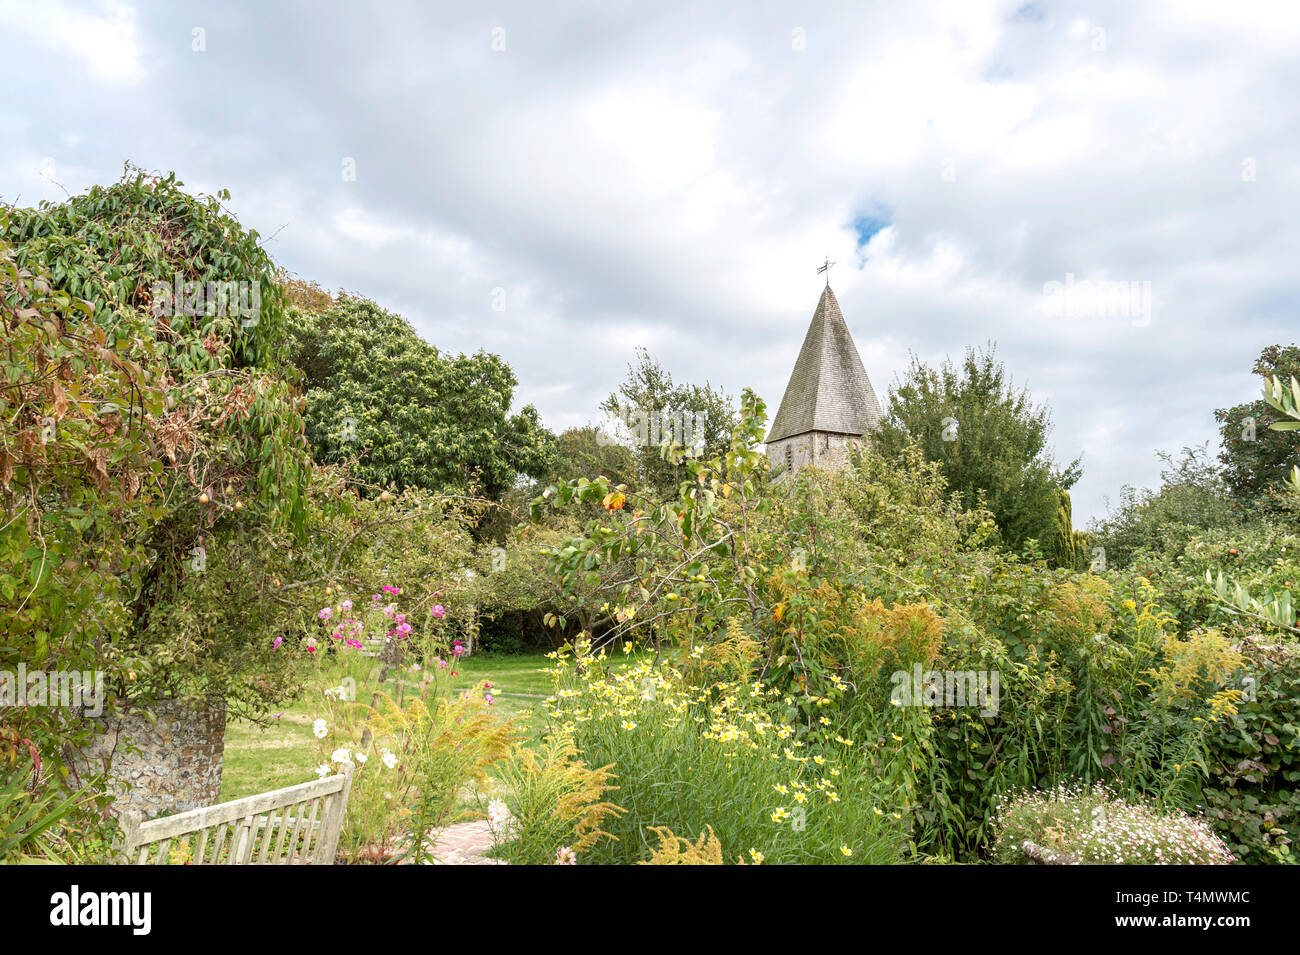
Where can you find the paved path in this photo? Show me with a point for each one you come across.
(465, 844)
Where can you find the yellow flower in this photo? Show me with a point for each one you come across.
(846, 851)
(757, 856)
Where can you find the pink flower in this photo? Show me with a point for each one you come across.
(276, 644)
(325, 613)
(345, 606)
(437, 612)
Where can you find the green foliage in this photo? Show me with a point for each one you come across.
(148, 440)
(1066, 543)
(1192, 498)
(989, 439)
(406, 415)
(720, 755)
(1253, 793)
(1257, 457)
(28, 814)
(588, 450)
(514, 591)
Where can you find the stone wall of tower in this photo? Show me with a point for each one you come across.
(824, 449)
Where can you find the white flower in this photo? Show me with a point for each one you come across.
(498, 814)
(320, 728)
(362, 757)
(323, 770)
(342, 755)
(390, 759)
(565, 856)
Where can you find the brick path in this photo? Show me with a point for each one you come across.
(465, 844)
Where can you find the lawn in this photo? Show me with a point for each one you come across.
(284, 752)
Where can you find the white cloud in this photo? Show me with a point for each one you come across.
(103, 41)
(672, 175)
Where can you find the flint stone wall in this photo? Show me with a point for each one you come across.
(161, 766)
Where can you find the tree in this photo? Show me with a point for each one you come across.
(406, 414)
(1256, 458)
(989, 439)
(154, 470)
(651, 409)
(1192, 497)
(587, 450)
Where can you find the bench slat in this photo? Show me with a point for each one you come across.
(311, 811)
(211, 816)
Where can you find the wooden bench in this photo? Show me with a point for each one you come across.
(297, 825)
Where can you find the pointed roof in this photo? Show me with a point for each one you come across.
(829, 389)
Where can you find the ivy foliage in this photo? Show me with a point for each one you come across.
(153, 466)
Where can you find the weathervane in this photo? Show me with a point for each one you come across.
(826, 267)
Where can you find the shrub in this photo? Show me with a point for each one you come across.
(550, 805)
(685, 755)
(1252, 794)
(1091, 825)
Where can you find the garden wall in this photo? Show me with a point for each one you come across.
(165, 765)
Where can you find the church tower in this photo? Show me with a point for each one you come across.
(829, 403)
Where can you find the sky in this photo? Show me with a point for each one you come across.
(560, 183)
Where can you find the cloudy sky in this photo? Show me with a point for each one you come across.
(560, 182)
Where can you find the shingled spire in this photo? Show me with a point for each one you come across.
(829, 392)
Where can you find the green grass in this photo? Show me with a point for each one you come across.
(261, 758)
